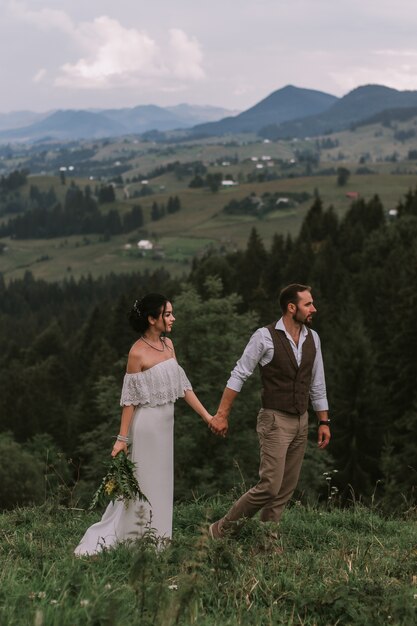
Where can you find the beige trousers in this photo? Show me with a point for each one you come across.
(282, 440)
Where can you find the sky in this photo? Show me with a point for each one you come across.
(229, 53)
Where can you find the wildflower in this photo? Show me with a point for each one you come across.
(84, 602)
(173, 587)
(328, 478)
(107, 586)
(41, 595)
(53, 602)
(110, 486)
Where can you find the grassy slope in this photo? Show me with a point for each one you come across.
(338, 567)
(199, 224)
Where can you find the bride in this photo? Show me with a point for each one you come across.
(152, 383)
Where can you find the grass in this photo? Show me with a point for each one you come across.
(200, 222)
(338, 567)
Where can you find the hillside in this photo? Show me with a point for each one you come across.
(359, 104)
(284, 104)
(199, 225)
(380, 156)
(338, 567)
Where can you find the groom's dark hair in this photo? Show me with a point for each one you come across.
(290, 295)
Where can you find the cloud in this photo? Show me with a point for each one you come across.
(109, 54)
(39, 76)
(398, 70)
(397, 53)
(114, 55)
(45, 19)
(186, 58)
(117, 56)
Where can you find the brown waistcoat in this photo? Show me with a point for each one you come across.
(285, 386)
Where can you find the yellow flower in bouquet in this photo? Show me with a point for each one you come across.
(110, 486)
(119, 483)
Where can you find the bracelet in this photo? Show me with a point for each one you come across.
(324, 423)
(122, 438)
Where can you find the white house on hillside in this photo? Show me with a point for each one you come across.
(145, 244)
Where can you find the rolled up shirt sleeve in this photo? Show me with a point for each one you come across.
(254, 353)
(318, 395)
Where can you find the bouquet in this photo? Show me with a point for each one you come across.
(119, 483)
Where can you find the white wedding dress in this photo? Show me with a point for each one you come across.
(153, 392)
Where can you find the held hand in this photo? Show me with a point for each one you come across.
(219, 425)
(207, 419)
(323, 437)
(119, 446)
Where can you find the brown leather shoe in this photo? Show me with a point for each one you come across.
(214, 530)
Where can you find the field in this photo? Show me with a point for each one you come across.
(201, 223)
(338, 567)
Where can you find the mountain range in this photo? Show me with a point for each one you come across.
(90, 124)
(290, 112)
(357, 106)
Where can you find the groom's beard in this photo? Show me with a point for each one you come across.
(303, 319)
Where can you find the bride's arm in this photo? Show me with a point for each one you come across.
(133, 365)
(192, 400)
(127, 414)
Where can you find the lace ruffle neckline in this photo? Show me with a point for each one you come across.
(162, 383)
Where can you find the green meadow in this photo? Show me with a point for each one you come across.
(198, 226)
(329, 567)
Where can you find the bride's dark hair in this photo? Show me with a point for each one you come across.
(153, 304)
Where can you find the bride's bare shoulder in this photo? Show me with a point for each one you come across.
(135, 357)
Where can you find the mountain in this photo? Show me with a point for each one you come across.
(359, 104)
(143, 118)
(18, 119)
(284, 104)
(193, 114)
(70, 124)
(66, 125)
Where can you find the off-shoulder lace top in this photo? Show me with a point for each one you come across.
(160, 384)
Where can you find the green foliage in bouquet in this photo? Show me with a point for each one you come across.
(119, 483)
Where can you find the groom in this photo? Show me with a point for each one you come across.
(289, 356)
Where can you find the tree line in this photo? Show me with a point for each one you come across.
(63, 352)
(80, 213)
(42, 216)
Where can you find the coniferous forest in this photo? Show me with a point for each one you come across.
(63, 349)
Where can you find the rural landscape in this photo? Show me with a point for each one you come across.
(218, 210)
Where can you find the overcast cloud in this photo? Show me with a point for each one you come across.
(231, 53)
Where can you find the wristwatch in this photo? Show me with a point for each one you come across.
(324, 423)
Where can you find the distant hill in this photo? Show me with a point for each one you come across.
(390, 115)
(65, 125)
(193, 114)
(286, 113)
(71, 124)
(359, 104)
(284, 104)
(18, 119)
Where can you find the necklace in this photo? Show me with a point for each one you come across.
(151, 346)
